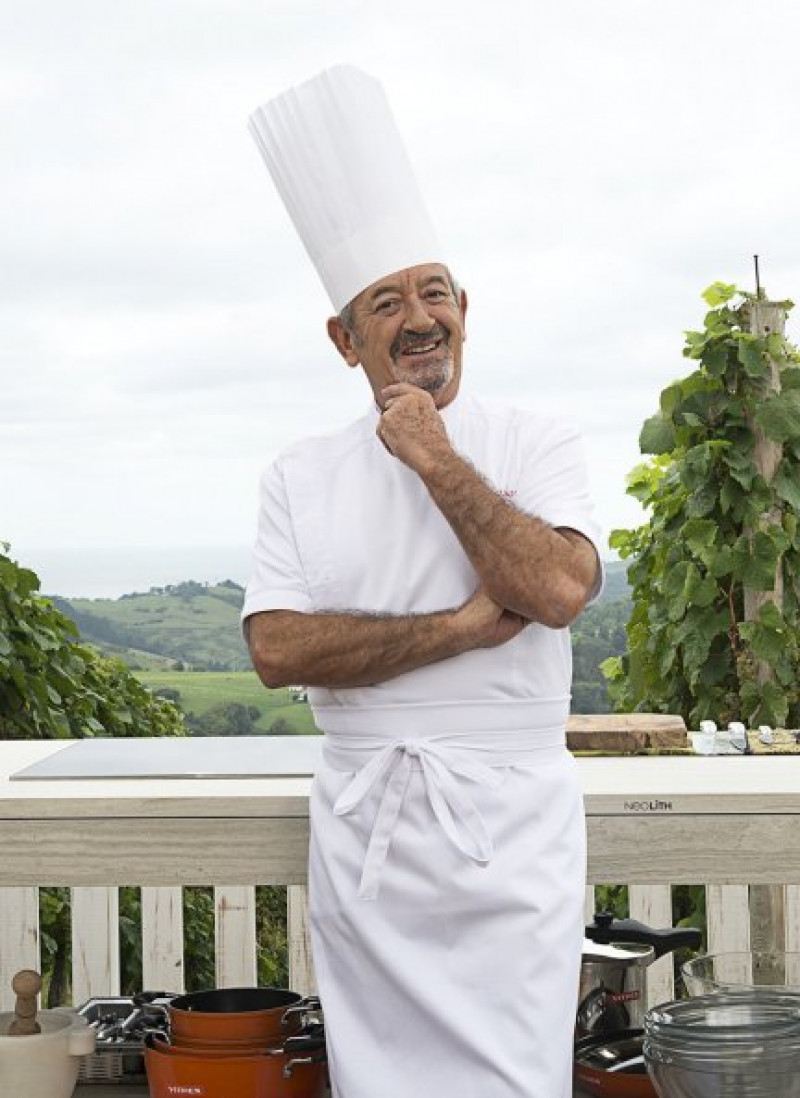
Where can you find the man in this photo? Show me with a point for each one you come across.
(418, 571)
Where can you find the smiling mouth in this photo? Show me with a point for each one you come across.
(422, 348)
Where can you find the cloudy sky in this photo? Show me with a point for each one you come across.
(592, 166)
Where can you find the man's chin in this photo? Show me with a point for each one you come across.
(433, 379)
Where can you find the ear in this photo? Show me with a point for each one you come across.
(343, 341)
(462, 304)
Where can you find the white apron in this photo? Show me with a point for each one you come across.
(452, 967)
(447, 853)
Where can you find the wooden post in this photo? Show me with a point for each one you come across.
(766, 318)
(767, 906)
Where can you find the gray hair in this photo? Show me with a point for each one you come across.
(347, 316)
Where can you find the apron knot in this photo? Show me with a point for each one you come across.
(454, 810)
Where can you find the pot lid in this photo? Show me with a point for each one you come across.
(621, 953)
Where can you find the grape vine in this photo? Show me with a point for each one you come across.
(716, 527)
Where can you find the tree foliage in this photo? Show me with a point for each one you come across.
(708, 537)
(52, 687)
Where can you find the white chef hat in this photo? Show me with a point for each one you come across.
(336, 156)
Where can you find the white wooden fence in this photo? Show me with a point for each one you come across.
(96, 948)
(96, 939)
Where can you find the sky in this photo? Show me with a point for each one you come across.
(591, 166)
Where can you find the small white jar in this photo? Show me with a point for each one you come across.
(46, 1064)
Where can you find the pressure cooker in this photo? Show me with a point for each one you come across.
(616, 954)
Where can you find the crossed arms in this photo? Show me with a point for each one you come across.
(528, 572)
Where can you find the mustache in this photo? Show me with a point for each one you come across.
(407, 341)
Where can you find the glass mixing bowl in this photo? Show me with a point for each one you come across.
(773, 971)
(744, 1044)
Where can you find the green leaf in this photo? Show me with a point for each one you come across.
(765, 644)
(787, 488)
(751, 355)
(790, 378)
(779, 416)
(771, 706)
(700, 534)
(657, 435)
(671, 398)
(611, 668)
(702, 502)
(718, 293)
(756, 559)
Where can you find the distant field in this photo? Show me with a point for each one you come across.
(200, 690)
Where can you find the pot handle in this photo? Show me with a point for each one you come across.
(606, 929)
(312, 1042)
(305, 1006)
(145, 998)
(292, 1064)
(82, 1038)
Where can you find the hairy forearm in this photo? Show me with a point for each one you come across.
(523, 563)
(348, 650)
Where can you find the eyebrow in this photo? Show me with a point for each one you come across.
(395, 288)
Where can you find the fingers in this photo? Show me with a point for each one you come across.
(401, 390)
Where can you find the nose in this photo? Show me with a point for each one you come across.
(417, 318)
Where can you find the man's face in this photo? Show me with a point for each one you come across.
(407, 327)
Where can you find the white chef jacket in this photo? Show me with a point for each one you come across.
(447, 853)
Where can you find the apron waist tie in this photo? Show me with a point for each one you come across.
(442, 762)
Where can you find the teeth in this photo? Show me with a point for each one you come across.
(421, 350)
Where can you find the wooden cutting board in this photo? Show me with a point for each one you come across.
(626, 732)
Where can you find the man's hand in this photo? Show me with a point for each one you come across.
(411, 427)
(487, 623)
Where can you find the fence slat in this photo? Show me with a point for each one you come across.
(792, 934)
(301, 967)
(235, 936)
(589, 907)
(767, 917)
(728, 918)
(792, 916)
(652, 904)
(19, 937)
(162, 939)
(95, 943)
(728, 925)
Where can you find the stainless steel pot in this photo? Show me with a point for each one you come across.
(616, 953)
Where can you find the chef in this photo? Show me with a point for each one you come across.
(418, 570)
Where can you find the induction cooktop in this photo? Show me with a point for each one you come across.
(180, 757)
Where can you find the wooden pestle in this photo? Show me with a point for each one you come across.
(26, 985)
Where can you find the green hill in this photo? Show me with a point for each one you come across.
(190, 623)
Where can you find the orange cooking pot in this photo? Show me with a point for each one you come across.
(273, 1073)
(239, 1014)
(612, 1065)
